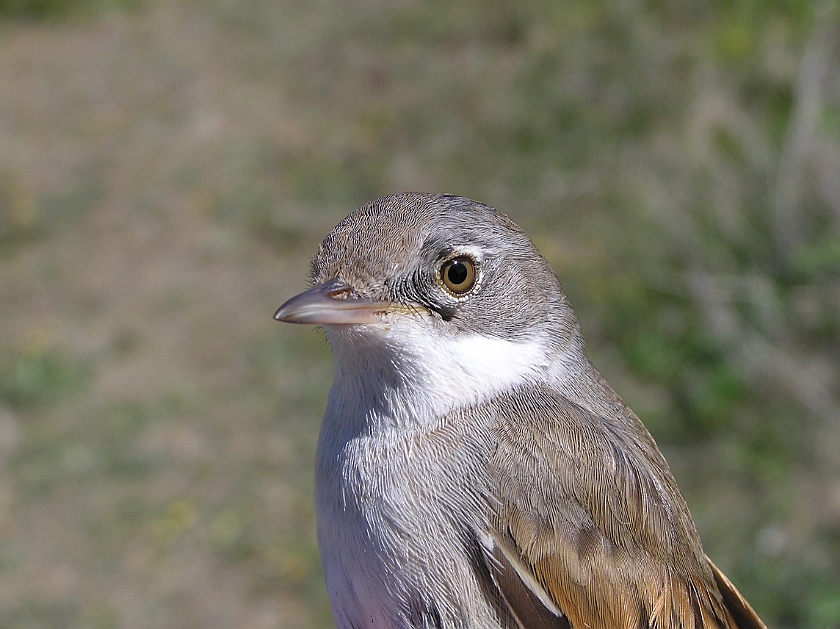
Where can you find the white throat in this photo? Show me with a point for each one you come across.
(402, 373)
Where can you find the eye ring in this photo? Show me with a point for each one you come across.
(458, 275)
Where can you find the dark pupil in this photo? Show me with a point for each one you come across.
(457, 273)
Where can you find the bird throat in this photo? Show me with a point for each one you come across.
(398, 376)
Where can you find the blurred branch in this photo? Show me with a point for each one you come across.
(754, 352)
(808, 103)
(703, 208)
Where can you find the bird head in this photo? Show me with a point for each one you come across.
(442, 263)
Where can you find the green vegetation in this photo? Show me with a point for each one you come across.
(61, 9)
(169, 166)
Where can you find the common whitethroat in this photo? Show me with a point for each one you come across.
(474, 470)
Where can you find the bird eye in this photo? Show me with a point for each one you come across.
(458, 274)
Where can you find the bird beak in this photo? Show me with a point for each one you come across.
(331, 303)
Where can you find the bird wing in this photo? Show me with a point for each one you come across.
(590, 529)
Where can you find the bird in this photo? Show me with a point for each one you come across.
(474, 469)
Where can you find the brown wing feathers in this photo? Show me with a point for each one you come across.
(610, 541)
(521, 598)
(737, 605)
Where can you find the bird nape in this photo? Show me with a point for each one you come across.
(473, 468)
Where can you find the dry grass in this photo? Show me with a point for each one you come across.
(150, 478)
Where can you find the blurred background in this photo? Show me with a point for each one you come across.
(168, 168)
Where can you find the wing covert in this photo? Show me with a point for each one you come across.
(609, 541)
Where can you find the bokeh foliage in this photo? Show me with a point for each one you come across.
(172, 164)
